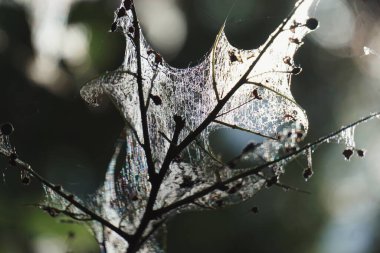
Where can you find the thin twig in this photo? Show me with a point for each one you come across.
(283, 186)
(179, 125)
(257, 169)
(244, 129)
(272, 90)
(235, 108)
(68, 197)
(214, 83)
(202, 206)
(143, 109)
(129, 125)
(150, 89)
(153, 176)
(55, 211)
(165, 137)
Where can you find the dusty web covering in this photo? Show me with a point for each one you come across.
(5, 143)
(262, 104)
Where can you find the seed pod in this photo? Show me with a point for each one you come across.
(312, 23)
(347, 153)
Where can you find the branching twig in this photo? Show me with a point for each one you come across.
(179, 125)
(174, 148)
(23, 166)
(283, 186)
(52, 211)
(257, 169)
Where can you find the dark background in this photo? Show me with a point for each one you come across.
(71, 144)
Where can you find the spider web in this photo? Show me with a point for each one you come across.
(263, 105)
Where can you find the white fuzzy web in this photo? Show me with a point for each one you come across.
(264, 105)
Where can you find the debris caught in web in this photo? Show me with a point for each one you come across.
(308, 172)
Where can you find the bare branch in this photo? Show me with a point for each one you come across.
(192, 198)
(150, 90)
(52, 211)
(16, 162)
(243, 129)
(235, 108)
(143, 110)
(214, 84)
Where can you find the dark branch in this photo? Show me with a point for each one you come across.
(143, 109)
(52, 211)
(257, 169)
(244, 129)
(16, 162)
(151, 232)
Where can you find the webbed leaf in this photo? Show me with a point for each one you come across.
(244, 89)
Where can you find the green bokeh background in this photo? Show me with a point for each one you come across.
(71, 144)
